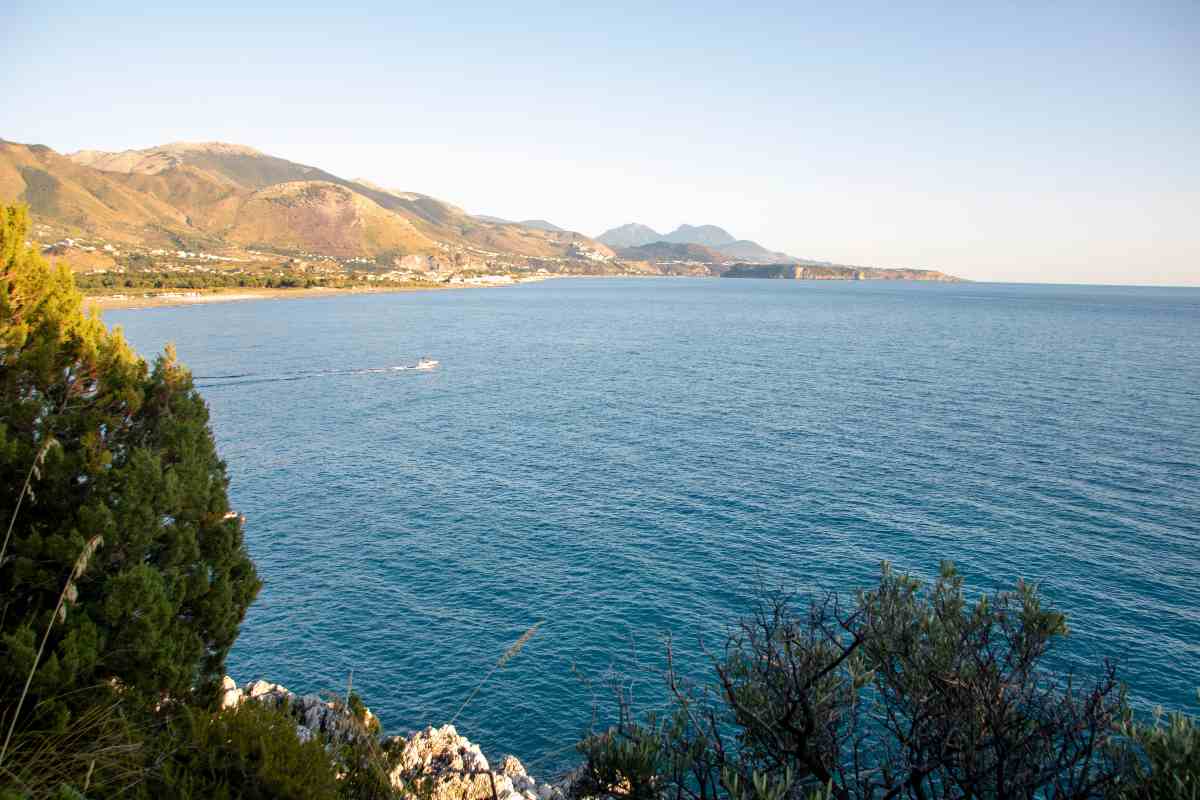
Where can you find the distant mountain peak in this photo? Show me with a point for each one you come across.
(707, 235)
(632, 234)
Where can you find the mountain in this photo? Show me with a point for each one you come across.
(541, 225)
(631, 235)
(537, 224)
(214, 196)
(655, 252)
(746, 250)
(707, 235)
(229, 201)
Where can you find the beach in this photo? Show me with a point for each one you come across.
(184, 297)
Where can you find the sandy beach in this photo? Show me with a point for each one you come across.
(183, 297)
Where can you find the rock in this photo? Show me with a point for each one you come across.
(510, 766)
(455, 768)
(458, 769)
(231, 695)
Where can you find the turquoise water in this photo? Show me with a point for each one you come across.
(628, 458)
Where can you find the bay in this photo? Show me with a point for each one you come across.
(629, 458)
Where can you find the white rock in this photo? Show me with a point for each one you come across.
(231, 695)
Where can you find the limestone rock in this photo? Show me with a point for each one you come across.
(231, 695)
(455, 768)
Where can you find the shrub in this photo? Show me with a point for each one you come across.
(252, 752)
(907, 691)
(1166, 763)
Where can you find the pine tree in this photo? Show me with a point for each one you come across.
(94, 442)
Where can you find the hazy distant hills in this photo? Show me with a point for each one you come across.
(214, 195)
(716, 239)
(631, 235)
(707, 235)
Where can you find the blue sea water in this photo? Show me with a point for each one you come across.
(628, 458)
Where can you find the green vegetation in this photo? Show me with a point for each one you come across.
(123, 580)
(252, 751)
(152, 281)
(907, 691)
(108, 447)
(1167, 761)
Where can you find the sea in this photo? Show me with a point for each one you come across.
(635, 461)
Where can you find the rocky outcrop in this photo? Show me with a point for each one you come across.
(314, 716)
(453, 767)
(458, 769)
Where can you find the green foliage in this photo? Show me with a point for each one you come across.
(160, 603)
(365, 767)
(910, 691)
(628, 763)
(250, 752)
(151, 281)
(359, 710)
(364, 763)
(1167, 758)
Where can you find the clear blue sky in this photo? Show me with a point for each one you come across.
(1048, 141)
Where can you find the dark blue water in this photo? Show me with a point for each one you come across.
(628, 458)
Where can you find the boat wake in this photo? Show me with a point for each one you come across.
(246, 378)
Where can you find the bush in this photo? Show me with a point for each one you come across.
(251, 752)
(1166, 763)
(908, 691)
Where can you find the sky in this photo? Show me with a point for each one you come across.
(1049, 142)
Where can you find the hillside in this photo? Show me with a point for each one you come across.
(667, 252)
(226, 199)
(539, 224)
(712, 237)
(746, 250)
(165, 208)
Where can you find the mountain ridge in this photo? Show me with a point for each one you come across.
(219, 195)
(241, 204)
(713, 237)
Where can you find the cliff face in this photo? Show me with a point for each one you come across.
(455, 767)
(834, 273)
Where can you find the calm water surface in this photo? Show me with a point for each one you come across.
(628, 458)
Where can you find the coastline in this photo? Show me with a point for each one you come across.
(187, 297)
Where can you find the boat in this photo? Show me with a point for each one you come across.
(427, 363)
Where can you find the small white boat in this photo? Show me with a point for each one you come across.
(427, 363)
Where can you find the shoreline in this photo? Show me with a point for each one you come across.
(188, 297)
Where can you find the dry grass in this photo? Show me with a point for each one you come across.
(96, 751)
(507, 656)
